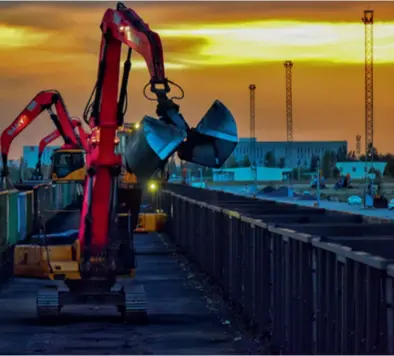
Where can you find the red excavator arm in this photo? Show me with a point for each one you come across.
(52, 137)
(155, 141)
(44, 100)
(120, 26)
(83, 135)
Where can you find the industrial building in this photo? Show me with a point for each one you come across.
(30, 155)
(244, 174)
(294, 153)
(356, 169)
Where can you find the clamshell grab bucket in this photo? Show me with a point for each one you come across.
(213, 140)
(150, 147)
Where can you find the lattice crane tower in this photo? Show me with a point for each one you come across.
(368, 22)
(252, 118)
(289, 100)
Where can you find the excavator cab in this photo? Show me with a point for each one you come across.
(68, 165)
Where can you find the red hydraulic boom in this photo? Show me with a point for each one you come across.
(44, 100)
(83, 136)
(210, 144)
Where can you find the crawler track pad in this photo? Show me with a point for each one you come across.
(134, 309)
(48, 307)
(127, 295)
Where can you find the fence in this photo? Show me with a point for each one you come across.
(310, 295)
(20, 212)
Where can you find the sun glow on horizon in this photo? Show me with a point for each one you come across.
(274, 40)
(12, 37)
(223, 44)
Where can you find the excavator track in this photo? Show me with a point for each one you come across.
(134, 309)
(48, 306)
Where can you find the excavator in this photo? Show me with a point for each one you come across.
(93, 264)
(62, 172)
(44, 100)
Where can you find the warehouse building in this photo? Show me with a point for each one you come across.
(30, 155)
(294, 154)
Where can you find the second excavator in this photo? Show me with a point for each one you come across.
(101, 252)
(68, 163)
(44, 100)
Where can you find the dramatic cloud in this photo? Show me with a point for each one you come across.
(214, 50)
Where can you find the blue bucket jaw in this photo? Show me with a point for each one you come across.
(150, 147)
(213, 140)
(209, 144)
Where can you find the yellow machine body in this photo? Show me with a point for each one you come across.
(128, 178)
(150, 222)
(68, 165)
(49, 262)
(62, 261)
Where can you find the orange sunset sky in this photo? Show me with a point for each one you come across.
(214, 50)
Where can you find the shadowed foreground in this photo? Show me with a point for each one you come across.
(179, 320)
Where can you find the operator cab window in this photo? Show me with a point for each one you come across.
(78, 160)
(65, 163)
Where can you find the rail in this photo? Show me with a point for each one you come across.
(312, 283)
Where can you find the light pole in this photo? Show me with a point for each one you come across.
(318, 182)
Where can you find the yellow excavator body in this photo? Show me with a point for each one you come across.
(68, 165)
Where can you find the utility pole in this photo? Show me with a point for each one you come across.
(358, 146)
(289, 100)
(369, 124)
(318, 182)
(252, 118)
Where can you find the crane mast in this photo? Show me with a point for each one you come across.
(368, 22)
(289, 100)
